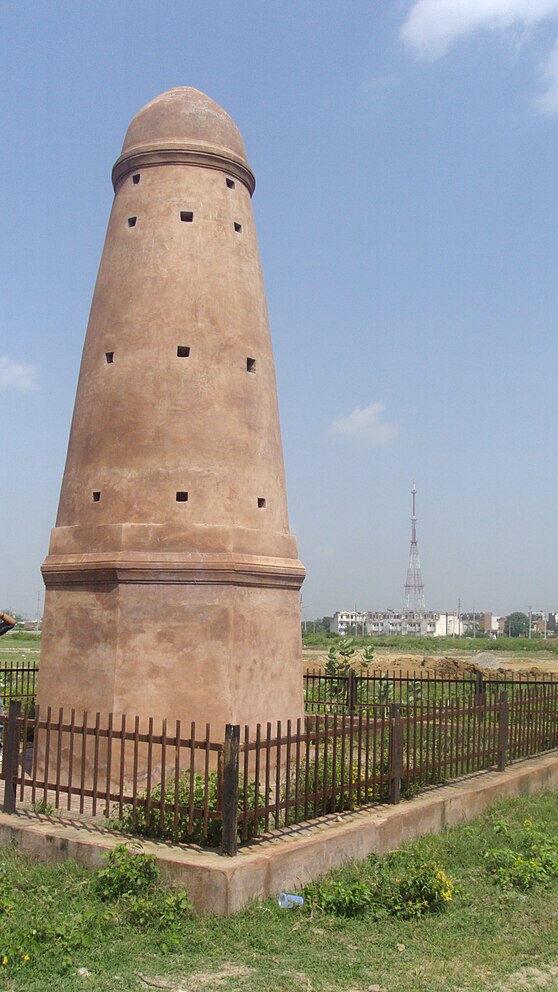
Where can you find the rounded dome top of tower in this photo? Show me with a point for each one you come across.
(183, 121)
(184, 114)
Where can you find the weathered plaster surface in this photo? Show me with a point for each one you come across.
(176, 609)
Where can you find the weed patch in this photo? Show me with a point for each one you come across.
(529, 857)
(399, 885)
(57, 933)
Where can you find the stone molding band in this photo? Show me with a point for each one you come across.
(273, 573)
(182, 155)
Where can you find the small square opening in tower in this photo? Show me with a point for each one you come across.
(187, 216)
(230, 183)
(238, 227)
(183, 351)
(109, 357)
(250, 364)
(182, 497)
(261, 503)
(136, 178)
(96, 496)
(132, 221)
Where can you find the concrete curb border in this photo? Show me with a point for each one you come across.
(221, 885)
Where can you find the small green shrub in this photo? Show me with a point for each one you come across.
(340, 898)
(425, 888)
(531, 856)
(398, 885)
(366, 659)
(129, 871)
(139, 826)
(154, 828)
(161, 909)
(130, 883)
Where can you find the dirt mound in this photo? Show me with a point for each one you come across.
(447, 667)
(490, 664)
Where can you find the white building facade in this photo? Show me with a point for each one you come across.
(382, 623)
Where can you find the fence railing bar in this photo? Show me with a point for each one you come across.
(245, 784)
(135, 768)
(176, 798)
(325, 774)
(206, 780)
(149, 773)
(9, 757)
(163, 771)
(267, 776)
(109, 765)
(191, 779)
(277, 772)
(230, 788)
(257, 775)
(83, 764)
(96, 760)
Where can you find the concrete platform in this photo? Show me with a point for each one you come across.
(288, 860)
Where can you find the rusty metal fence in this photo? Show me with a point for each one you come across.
(18, 682)
(190, 786)
(348, 692)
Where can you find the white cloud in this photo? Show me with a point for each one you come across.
(548, 101)
(15, 375)
(432, 26)
(366, 425)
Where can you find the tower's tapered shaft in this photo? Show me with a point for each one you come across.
(172, 578)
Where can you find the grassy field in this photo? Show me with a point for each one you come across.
(19, 648)
(489, 939)
(441, 645)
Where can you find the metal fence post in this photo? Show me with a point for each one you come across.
(503, 731)
(9, 762)
(352, 691)
(395, 754)
(480, 689)
(231, 747)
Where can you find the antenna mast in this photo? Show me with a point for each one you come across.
(414, 587)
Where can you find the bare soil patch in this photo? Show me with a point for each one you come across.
(458, 664)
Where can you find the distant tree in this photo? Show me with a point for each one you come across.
(318, 626)
(516, 625)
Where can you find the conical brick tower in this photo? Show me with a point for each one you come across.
(172, 581)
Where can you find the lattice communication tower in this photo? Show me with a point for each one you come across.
(414, 586)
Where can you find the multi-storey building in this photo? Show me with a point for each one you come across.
(348, 622)
(384, 623)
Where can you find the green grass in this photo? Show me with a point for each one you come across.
(19, 648)
(440, 645)
(486, 935)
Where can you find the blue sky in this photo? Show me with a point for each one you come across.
(407, 211)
